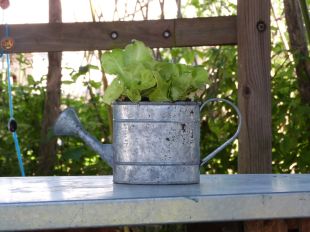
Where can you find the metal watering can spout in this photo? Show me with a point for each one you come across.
(68, 124)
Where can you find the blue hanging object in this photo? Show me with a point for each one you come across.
(12, 124)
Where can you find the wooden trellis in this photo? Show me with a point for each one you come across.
(108, 35)
(249, 30)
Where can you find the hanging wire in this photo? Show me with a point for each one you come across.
(12, 121)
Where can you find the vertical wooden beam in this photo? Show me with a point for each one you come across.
(48, 147)
(254, 94)
(254, 88)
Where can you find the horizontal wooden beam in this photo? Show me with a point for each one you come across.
(206, 31)
(109, 35)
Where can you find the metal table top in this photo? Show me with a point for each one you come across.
(92, 201)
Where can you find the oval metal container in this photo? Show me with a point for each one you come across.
(156, 143)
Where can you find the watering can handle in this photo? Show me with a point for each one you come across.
(217, 150)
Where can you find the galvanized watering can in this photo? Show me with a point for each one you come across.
(153, 143)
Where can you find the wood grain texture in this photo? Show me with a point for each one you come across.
(206, 31)
(254, 86)
(48, 147)
(97, 35)
(216, 227)
(265, 226)
(298, 224)
(304, 225)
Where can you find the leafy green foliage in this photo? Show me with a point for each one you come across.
(290, 117)
(291, 135)
(140, 76)
(73, 157)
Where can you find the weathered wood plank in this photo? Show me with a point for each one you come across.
(265, 226)
(202, 31)
(300, 225)
(292, 224)
(48, 147)
(254, 91)
(98, 36)
(216, 227)
(304, 225)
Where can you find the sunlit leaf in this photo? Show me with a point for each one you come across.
(114, 91)
(113, 62)
(137, 52)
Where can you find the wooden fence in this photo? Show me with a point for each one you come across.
(249, 30)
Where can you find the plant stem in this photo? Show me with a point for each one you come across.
(284, 40)
(298, 45)
(95, 106)
(104, 77)
(305, 14)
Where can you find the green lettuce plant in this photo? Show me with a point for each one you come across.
(139, 76)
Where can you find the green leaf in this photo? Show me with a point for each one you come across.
(90, 66)
(160, 93)
(181, 83)
(82, 71)
(140, 77)
(113, 92)
(67, 82)
(95, 84)
(200, 77)
(180, 87)
(31, 80)
(113, 62)
(167, 70)
(85, 69)
(137, 52)
(147, 80)
(133, 95)
(75, 76)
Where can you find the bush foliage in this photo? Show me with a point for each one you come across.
(291, 147)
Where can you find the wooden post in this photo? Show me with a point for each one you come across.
(48, 147)
(254, 93)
